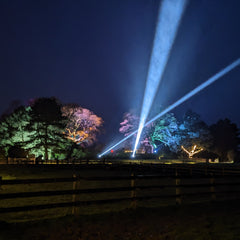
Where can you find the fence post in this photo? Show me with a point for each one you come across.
(133, 192)
(74, 195)
(206, 171)
(190, 171)
(212, 189)
(178, 190)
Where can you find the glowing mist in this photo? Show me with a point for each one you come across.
(196, 90)
(169, 17)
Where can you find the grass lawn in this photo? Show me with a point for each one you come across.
(205, 221)
(150, 221)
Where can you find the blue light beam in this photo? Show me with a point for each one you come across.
(169, 17)
(196, 90)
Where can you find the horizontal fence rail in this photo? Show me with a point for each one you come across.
(176, 183)
(107, 190)
(72, 179)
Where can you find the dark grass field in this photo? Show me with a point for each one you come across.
(206, 221)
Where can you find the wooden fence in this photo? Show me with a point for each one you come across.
(212, 186)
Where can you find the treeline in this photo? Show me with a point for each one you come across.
(187, 137)
(48, 129)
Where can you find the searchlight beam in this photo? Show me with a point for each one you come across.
(196, 90)
(169, 17)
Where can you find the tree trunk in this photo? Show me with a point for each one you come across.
(46, 145)
(45, 152)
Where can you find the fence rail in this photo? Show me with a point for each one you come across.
(176, 183)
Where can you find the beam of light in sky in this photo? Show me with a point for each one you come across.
(196, 90)
(169, 17)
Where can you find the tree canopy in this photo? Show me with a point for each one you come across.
(189, 135)
(82, 125)
(48, 128)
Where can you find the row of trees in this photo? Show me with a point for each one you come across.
(54, 130)
(48, 128)
(190, 135)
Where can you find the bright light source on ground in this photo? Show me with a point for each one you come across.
(169, 17)
(196, 90)
(115, 145)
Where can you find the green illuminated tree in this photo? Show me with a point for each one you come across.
(13, 128)
(189, 132)
(49, 129)
(46, 126)
(166, 132)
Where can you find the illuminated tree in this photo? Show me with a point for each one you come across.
(128, 125)
(166, 131)
(46, 126)
(82, 124)
(194, 150)
(195, 132)
(43, 129)
(189, 132)
(13, 128)
(6, 133)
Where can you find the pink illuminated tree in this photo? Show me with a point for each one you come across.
(128, 125)
(82, 124)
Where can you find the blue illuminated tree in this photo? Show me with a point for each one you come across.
(194, 131)
(190, 131)
(166, 132)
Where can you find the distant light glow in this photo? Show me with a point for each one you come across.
(196, 90)
(169, 17)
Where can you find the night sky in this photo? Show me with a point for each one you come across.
(96, 53)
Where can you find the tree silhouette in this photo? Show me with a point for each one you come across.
(225, 139)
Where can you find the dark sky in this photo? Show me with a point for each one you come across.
(96, 53)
